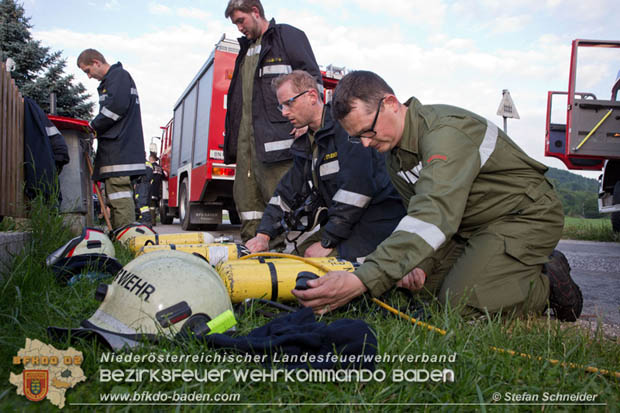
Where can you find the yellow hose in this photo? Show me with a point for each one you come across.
(589, 369)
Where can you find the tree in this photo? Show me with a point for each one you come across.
(39, 72)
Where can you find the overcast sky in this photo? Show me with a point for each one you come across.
(460, 52)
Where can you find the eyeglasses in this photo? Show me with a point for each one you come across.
(370, 132)
(287, 103)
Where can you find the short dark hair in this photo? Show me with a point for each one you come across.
(300, 79)
(359, 84)
(244, 6)
(88, 55)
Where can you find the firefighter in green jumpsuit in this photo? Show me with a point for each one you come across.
(257, 136)
(482, 219)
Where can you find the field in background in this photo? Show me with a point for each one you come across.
(598, 229)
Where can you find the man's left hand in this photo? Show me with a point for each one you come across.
(413, 281)
(315, 250)
(333, 290)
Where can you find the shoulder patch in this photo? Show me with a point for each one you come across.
(436, 156)
(331, 156)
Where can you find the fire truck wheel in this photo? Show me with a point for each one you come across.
(163, 212)
(615, 216)
(184, 214)
(233, 216)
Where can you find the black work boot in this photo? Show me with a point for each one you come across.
(565, 296)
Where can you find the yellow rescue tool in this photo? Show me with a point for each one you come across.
(138, 242)
(214, 253)
(271, 278)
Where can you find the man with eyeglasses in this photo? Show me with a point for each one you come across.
(349, 180)
(257, 136)
(482, 221)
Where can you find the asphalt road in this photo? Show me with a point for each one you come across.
(595, 268)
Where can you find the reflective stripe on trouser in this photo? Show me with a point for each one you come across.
(119, 192)
(252, 193)
(499, 268)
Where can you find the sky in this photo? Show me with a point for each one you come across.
(460, 52)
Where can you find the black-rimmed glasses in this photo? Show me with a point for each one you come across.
(370, 132)
(288, 102)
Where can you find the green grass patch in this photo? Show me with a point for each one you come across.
(587, 229)
(32, 300)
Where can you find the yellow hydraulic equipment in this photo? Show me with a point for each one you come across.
(214, 253)
(165, 239)
(272, 278)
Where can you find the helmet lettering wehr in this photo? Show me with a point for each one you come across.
(134, 284)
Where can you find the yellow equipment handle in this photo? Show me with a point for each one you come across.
(593, 130)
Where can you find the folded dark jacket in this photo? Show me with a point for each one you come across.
(342, 344)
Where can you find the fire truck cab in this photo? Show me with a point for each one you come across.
(197, 184)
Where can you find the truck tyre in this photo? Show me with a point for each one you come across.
(615, 216)
(163, 212)
(233, 216)
(184, 214)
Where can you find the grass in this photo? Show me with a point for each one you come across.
(589, 229)
(32, 300)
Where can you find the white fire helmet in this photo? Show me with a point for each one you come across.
(92, 241)
(168, 293)
(129, 231)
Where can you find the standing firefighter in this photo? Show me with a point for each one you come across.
(120, 148)
(482, 220)
(155, 189)
(257, 135)
(142, 195)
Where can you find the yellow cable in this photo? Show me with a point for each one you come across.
(593, 130)
(589, 369)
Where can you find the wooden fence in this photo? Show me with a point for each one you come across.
(11, 147)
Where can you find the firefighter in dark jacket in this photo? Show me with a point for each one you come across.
(118, 126)
(257, 136)
(349, 180)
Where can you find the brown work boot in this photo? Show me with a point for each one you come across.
(565, 296)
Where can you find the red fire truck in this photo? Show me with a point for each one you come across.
(199, 185)
(587, 135)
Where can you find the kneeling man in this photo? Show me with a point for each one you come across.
(347, 181)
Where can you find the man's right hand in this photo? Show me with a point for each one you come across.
(259, 243)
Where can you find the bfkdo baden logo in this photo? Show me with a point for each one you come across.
(48, 372)
(36, 384)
